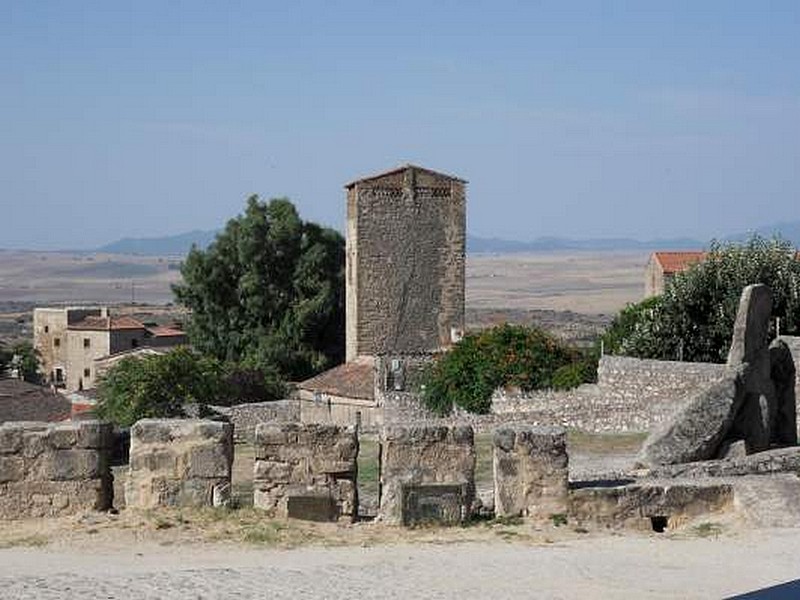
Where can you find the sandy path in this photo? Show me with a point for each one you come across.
(630, 566)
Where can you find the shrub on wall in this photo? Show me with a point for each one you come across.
(503, 356)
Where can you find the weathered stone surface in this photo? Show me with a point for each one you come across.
(531, 471)
(300, 467)
(755, 405)
(751, 328)
(756, 417)
(783, 373)
(434, 503)
(45, 471)
(635, 505)
(179, 462)
(779, 460)
(698, 429)
(416, 455)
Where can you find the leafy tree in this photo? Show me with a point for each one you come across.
(26, 360)
(160, 386)
(268, 292)
(694, 317)
(507, 355)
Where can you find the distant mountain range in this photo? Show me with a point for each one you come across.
(169, 244)
(181, 244)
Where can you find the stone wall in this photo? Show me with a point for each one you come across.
(306, 470)
(336, 410)
(49, 470)
(531, 471)
(427, 473)
(631, 395)
(657, 379)
(179, 462)
(245, 417)
(406, 233)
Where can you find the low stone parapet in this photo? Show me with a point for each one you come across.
(54, 469)
(306, 471)
(427, 474)
(179, 462)
(531, 471)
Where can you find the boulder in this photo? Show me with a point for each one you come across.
(698, 429)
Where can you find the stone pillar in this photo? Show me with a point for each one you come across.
(427, 474)
(179, 462)
(54, 469)
(306, 471)
(531, 471)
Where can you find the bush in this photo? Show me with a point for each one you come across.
(693, 320)
(507, 355)
(160, 386)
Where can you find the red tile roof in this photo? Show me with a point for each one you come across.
(351, 380)
(107, 324)
(675, 262)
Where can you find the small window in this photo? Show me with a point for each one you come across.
(86, 372)
(56, 342)
(59, 376)
(87, 342)
(134, 343)
(47, 329)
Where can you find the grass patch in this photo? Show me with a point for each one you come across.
(558, 519)
(26, 541)
(707, 529)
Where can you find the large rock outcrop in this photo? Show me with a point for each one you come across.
(753, 405)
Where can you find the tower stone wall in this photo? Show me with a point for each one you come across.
(406, 234)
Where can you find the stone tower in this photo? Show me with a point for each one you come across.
(406, 232)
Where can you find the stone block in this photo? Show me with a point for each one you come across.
(424, 454)
(12, 468)
(441, 504)
(44, 473)
(296, 460)
(210, 461)
(10, 438)
(179, 462)
(94, 434)
(697, 431)
(531, 471)
(317, 507)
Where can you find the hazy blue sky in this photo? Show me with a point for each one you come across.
(601, 119)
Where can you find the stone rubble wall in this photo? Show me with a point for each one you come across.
(631, 395)
(531, 472)
(54, 469)
(179, 462)
(245, 417)
(314, 461)
(424, 454)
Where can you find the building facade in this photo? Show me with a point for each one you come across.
(50, 338)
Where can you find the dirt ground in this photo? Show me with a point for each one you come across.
(240, 554)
